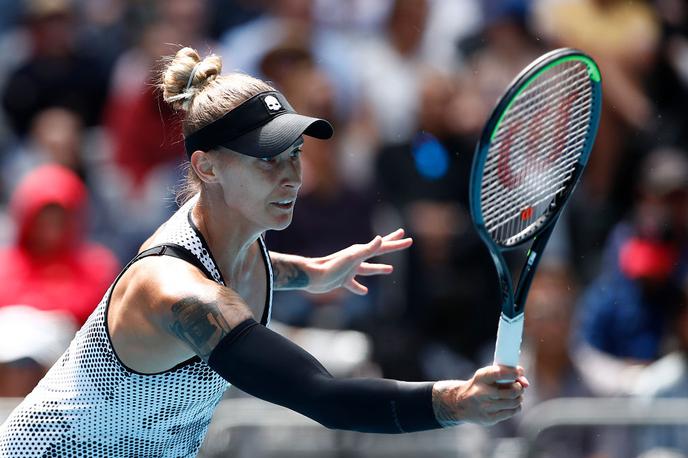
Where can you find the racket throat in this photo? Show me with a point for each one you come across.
(532, 260)
(524, 281)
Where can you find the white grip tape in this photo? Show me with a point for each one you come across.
(508, 347)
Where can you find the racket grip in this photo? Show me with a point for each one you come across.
(508, 347)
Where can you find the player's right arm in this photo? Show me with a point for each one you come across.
(214, 322)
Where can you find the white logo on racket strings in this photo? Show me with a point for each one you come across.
(272, 103)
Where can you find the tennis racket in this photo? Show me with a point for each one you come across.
(530, 156)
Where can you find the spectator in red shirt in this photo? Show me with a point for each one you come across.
(52, 266)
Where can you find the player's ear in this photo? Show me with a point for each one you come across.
(204, 165)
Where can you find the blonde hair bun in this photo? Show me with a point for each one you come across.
(186, 74)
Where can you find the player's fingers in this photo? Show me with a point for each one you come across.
(523, 381)
(495, 392)
(503, 404)
(396, 235)
(367, 268)
(379, 246)
(510, 391)
(490, 392)
(356, 288)
(360, 252)
(390, 246)
(372, 246)
(495, 373)
(505, 414)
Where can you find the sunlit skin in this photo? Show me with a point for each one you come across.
(240, 199)
(253, 186)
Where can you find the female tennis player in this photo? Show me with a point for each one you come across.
(188, 315)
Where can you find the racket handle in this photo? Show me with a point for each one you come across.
(508, 347)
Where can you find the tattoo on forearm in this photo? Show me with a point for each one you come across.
(200, 324)
(288, 275)
(444, 413)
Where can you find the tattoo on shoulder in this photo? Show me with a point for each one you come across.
(200, 324)
(289, 276)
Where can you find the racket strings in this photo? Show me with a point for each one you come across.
(549, 191)
(577, 140)
(541, 183)
(535, 150)
(541, 186)
(519, 116)
(557, 86)
(539, 172)
(552, 143)
(531, 140)
(538, 206)
(548, 128)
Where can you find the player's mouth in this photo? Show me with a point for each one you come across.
(286, 204)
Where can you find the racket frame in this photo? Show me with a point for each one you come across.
(512, 306)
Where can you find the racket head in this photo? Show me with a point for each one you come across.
(533, 149)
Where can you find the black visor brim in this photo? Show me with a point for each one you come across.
(279, 134)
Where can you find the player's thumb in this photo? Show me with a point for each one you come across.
(498, 373)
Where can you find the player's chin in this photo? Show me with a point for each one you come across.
(280, 219)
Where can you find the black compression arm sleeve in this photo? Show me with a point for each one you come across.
(268, 366)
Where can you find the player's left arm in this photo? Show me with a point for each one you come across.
(337, 270)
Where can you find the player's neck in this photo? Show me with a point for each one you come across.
(228, 239)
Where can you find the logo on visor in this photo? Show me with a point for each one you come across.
(272, 103)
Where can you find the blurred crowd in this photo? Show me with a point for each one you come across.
(91, 156)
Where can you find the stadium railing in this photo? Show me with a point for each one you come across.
(248, 427)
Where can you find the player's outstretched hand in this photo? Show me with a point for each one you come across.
(481, 399)
(340, 269)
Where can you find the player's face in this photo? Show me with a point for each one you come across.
(263, 191)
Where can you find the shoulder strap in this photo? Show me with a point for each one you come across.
(267, 309)
(174, 250)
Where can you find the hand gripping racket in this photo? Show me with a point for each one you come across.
(528, 160)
